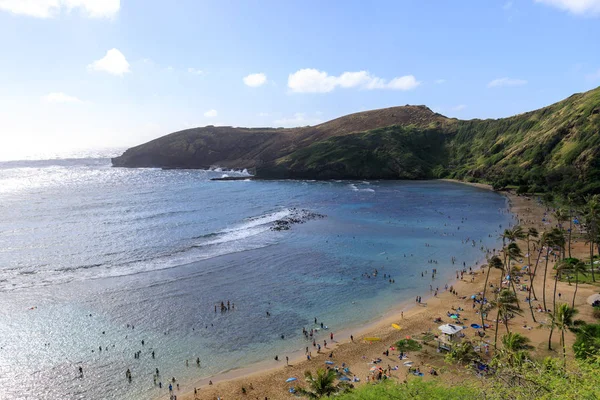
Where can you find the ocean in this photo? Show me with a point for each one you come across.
(93, 256)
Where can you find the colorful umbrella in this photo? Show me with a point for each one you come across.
(396, 326)
(291, 379)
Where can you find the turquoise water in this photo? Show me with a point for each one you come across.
(93, 248)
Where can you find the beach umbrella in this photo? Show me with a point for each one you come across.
(373, 369)
(396, 326)
(344, 378)
(329, 362)
(454, 316)
(473, 296)
(291, 379)
(475, 326)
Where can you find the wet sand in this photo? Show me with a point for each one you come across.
(267, 379)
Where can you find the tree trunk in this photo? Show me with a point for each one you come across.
(496, 334)
(506, 324)
(512, 283)
(562, 339)
(570, 229)
(576, 285)
(544, 283)
(554, 296)
(550, 336)
(592, 258)
(537, 261)
(483, 298)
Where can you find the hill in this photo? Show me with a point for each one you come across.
(555, 148)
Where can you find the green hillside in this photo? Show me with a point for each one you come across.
(556, 148)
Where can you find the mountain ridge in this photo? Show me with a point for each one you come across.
(545, 149)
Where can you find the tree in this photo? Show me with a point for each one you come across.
(506, 303)
(578, 267)
(550, 239)
(462, 353)
(513, 341)
(514, 253)
(494, 262)
(513, 348)
(592, 220)
(320, 385)
(562, 319)
(531, 233)
(561, 216)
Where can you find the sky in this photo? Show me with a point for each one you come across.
(78, 74)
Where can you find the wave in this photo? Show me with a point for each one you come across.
(354, 188)
(249, 234)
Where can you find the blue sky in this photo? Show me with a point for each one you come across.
(105, 73)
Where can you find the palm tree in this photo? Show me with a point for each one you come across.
(494, 262)
(513, 341)
(514, 346)
(559, 267)
(320, 385)
(506, 303)
(550, 239)
(577, 268)
(514, 253)
(561, 216)
(592, 219)
(563, 319)
(531, 233)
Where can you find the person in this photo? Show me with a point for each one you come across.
(170, 387)
(287, 360)
(81, 371)
(351, 338)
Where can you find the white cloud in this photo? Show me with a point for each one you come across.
(459, 107)
(255, 80)
(440, 81)
(263, 114)
(299, 119)
(310, 80)
(60, 97)
(113, 62)
(577, 7)
(51, 8)
(506, 82)
(507, 6)
(195, 71)
(211, 113)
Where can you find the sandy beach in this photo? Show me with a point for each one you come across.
(267, 380)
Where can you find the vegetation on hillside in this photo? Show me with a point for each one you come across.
(554, 149)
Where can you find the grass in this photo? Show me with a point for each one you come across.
(408, 345)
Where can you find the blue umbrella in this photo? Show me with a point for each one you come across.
(475, 326)
(291, 379)
(344, 378)
(329, 362)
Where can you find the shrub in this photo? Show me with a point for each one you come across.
(408, 345)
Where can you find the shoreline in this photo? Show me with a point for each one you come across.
(225, 381)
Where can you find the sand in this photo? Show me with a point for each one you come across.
(267, 379)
